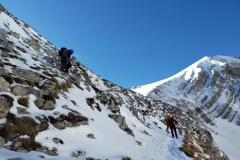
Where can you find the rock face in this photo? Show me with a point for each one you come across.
(36, 97)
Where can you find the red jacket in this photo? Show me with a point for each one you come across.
(171, 122)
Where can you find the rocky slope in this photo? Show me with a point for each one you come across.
(36, 98)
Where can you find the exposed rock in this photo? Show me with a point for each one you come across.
(63, 124)
(39, 102)
(51, 53)
(28, 74)
(4, 72)
(4, 85)
(139, 143)
(2, 8)
(79, 153)
(74, 60)
(48, 105)
(17, 145)
(6, 45)
(69, 120)
(113, 107)
(19, 90)
(2, 142)
(33, 43)
(5, 103)
(45, 150)
(90, 135)
(103, 98)
(57, 141)
(134, 111)
(22, 110)
(51, 60)
(90, 102)
(51, 153)
(3, 33)
(98, 107)
(23, 101)
(37, 93)
(15, 34)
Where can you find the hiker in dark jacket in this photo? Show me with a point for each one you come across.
(65, 59)
(171, 122)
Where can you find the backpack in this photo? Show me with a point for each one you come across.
(63, 49)
(70, 52)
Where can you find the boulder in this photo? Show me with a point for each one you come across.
(19, 90)
(4, 85)
(39, 102)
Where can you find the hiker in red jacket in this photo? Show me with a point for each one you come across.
(171, 122)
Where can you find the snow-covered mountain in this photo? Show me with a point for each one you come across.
(45, 114)
(211, 89)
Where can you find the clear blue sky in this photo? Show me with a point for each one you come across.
(135, 42)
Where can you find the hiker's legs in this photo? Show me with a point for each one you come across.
(64, 61)
(175, 131)
(62, 66)
(69, 65)
(171, 128)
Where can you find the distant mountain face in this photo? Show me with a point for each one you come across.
(82, 115)
(210, 87)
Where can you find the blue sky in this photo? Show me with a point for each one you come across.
(135, 42)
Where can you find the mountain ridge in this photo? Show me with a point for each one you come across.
(155, 84)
